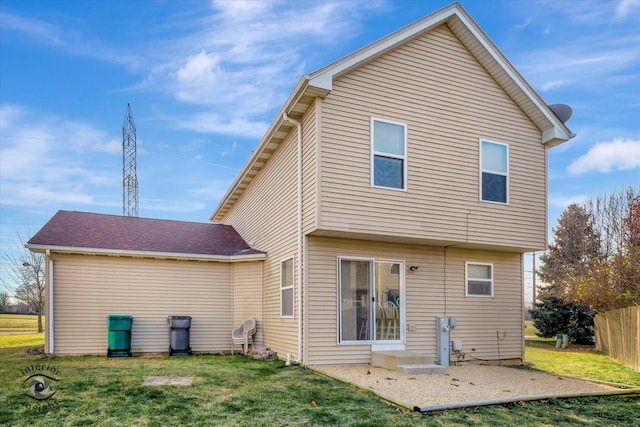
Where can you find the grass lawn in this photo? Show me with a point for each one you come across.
(575, 361)
(17, 330)
(234, 390)
(529, 329)
(578, 361)
(10, 323)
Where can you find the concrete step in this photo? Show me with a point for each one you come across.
(392, 359)
(424, 369)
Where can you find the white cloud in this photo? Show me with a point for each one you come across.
(214, 122)
(582, 12)
(239, 10)
(41, 31)
(171, 205)
(605, 157)
(68, 41)
(244, 56)
(213, 190)
(625, 7)
(229, 150)
(523, 25)
(47, 160)
(582, 62)
(239, 58)
(553, 84)
(199, 71)
(8, 114)
(564, 201)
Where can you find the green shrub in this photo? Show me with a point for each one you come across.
(553, 316)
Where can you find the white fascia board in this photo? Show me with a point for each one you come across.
(555, 136)
(146, 254)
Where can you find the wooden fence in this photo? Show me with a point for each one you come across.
(618, 335)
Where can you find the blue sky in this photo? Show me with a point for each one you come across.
(205, 79)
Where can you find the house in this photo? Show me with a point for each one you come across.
(402, 183)
(97, 265)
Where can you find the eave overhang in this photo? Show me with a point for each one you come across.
(146, 254)
(299, 101)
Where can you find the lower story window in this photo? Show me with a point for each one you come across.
(286, 288)
(479, 279)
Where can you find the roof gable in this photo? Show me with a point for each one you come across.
(122, 235)
(480, 46)
(320, 83)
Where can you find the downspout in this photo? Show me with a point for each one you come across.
(50, 311)
(288, 119)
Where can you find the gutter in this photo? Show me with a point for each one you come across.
(288, 119)
(145, 254)
(49, 259)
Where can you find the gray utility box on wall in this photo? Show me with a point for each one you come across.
(179, 332)
(444, 325)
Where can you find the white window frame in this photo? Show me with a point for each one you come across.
(505, 174)
(375, 153)
(291, 286)
(466, 278)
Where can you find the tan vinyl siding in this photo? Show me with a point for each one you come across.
(482, 319)
(448, 102)
(310, 169)
(89, 288)
(265, 215)
(427, 296)
(247, 295)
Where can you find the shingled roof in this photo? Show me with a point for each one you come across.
(95, 233)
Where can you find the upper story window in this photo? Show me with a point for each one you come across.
(479, 279)
(494, 165)
(286, 288)
(388, 154)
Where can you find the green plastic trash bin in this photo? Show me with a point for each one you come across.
(119, 326)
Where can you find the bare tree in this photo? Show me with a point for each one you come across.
(614, 281)
(595, 257)
(4, 299)
(27, 271)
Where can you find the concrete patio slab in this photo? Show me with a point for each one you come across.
(461, 386)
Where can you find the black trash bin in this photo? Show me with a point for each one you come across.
(179, 327)
(119, 326)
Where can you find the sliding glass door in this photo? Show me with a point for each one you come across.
(370, 300)
(355, 294)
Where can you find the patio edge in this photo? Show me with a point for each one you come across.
(375, 393)
(502, 401)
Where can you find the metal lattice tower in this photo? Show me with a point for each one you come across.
(129, 175)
